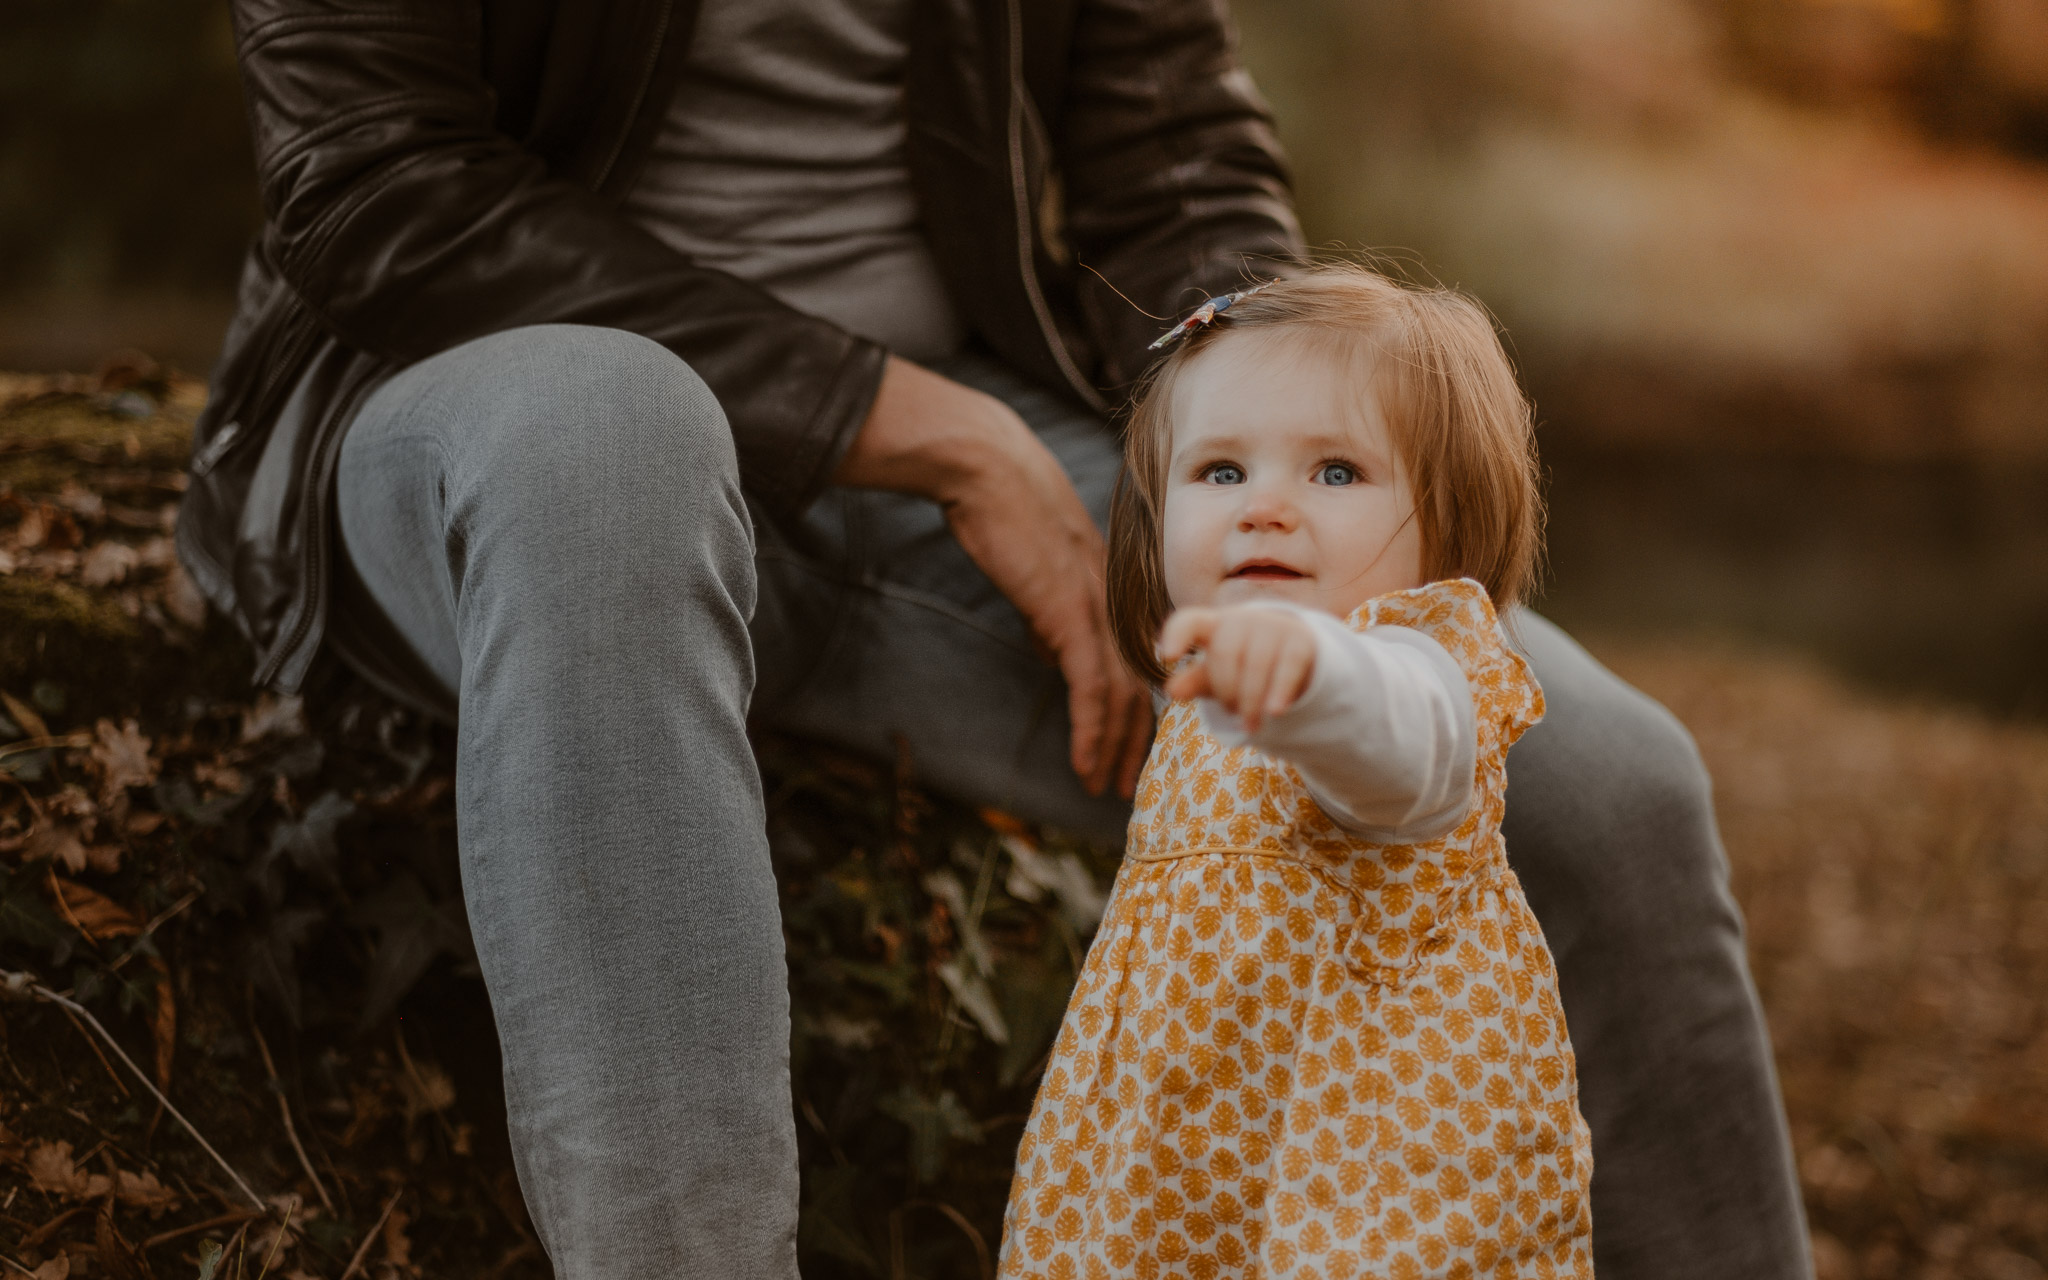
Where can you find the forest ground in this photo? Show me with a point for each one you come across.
(256, 898)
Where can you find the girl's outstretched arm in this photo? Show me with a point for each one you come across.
(1380, 725)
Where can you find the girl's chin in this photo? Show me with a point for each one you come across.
(1246, 590)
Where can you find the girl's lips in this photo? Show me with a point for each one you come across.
(1265, 570)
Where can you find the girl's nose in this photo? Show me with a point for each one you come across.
(1266, 511)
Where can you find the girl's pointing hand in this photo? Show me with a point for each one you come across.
(1256, 659)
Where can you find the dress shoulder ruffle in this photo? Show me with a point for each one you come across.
(1458, 614)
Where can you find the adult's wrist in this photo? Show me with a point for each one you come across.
(928, 435)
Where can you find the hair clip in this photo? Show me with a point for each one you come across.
(1202, 316)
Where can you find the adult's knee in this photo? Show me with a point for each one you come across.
(595, 466)
(1610, 816)
(581, 414)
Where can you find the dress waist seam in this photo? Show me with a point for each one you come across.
(1172, 855)
(1448, 896)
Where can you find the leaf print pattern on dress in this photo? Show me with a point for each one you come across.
(1299, 1055)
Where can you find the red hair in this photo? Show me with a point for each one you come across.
(1463, 429)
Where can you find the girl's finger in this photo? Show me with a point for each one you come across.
(1186, 629)
(1191, 681)
(1225, 660)
(1291, 674)
(1261, 651)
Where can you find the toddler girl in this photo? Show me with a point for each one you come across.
(1318, 1036)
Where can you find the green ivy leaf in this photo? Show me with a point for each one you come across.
(831, 1220)
(412, 929)
(935, 1124)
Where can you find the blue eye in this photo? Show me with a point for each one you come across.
(1338, 473)
(1224, 473)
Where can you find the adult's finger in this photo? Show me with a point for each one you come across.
(1121, 694)
(1087, 692)
(1138, 745)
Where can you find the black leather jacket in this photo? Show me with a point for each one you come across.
(436, 170)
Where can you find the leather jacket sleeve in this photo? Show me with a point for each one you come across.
(1175, 185)
(407, 223)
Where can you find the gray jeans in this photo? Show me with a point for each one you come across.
(552, 519)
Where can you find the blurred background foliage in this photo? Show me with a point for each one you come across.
(1776, 271)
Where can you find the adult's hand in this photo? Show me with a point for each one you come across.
(1017, 515)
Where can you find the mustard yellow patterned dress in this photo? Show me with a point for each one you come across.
(1293, 1054)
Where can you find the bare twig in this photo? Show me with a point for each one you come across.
(284, 1109)
(419, 1083)
(119, 1083)
(239, 1242)
(224, 1220)
(161, 918)
(959, 1220)
(47, 744)
(57, 892)
(509, 1259)
(34, 1239)
(20, 985)
(363, 1250)
(277, 1241)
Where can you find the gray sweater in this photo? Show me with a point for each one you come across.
(782, 162)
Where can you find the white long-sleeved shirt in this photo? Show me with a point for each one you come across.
(1384, 735)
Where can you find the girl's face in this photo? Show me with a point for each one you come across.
(1283, 482)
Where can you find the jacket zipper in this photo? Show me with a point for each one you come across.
(1020, 197)
(289, 346)
(618, 146)
(314, 600)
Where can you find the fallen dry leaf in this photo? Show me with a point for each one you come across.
(143, 1191)
(122, 756)
(366, 1109)
(427, 1089)
(107, 564)
(273, 715)
(164, 1028)
(79, 500)
(182, 598)
(24, 715)
(57, 1268)
(397, 1245)
(60, 843)
(34, 527)
(96, 913)
(73, 802)
(224, 779)
(115, 1256)
(296, 1214)
(50, 1169)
